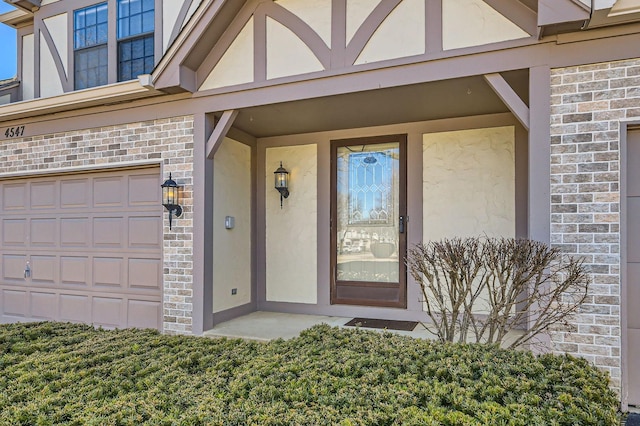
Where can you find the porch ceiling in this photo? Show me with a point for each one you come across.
(430, 101)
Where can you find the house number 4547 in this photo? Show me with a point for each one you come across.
(13, 132)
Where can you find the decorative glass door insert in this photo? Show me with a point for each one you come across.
(368, 221)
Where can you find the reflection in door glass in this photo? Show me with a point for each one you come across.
(368, 213)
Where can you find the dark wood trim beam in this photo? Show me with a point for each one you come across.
(509, 97)
(220, 131)
(202, 285)
(517, 13)
(338, 33)
(540, 154)
(433, 30)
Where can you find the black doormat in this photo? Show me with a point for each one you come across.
(383, 324)
(633, 420)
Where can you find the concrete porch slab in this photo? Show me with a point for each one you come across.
(265, 326)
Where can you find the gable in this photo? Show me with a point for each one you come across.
(297, 37)
(263, 41)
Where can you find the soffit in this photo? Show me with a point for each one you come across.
(422, 102)
(17, 18)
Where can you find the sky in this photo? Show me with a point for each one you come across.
(8, 45)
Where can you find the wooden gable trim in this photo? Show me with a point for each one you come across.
(553, 12)
(186, 54)
(220, 132)
(517, 13)
(367, 29)
(510, 98)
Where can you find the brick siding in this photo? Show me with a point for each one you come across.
(167, 140)
(587, 104)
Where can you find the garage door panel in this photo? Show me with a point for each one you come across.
(14, 197)
(75, 308)
(13, 266)
(44, 305)
(107, 232)
(145, 232)
(107, 271)
(43, 232)
(43, 269)
(145, 273)
(14, 302)
(107, 311)
(633, 229)
(75, 232)
(44, 195)
(93, 242)
(144, 314)
(143, 190)
(108, 192)
(74, 270)
(14, 232)
(633, 291)
(75, 193)
(634, 372)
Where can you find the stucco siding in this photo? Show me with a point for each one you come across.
(469, 183)
(231, 247)
(27, 82)
(291, 231)
(469, 23)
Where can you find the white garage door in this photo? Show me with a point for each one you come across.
(83, 248)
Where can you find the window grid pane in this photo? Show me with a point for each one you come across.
(90, 67)
(135, 17)
(89, 26)
(135, 57)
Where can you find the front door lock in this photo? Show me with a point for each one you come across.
(27, 270)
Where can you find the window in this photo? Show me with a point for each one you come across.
(135, 38)
(90, 35)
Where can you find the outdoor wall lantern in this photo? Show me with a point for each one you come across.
(282, 182)
(171, 198)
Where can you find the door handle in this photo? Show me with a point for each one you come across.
(401, 225)
(27, 271)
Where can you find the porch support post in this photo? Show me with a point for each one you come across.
(202, 227)
(220, 131)
(509, 97)
(540, 154)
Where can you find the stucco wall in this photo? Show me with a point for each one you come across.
(231, 247)
(167, 141)
(50, 84)
(401, 34)
(588, 103)
(467, 23)
(287, 54)
(236, 65)
(469, 183)
(291, 231)
(27, 82)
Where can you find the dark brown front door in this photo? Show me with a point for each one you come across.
(368, 221)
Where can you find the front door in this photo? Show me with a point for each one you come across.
(368, 221)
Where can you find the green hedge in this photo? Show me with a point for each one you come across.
(55, 373)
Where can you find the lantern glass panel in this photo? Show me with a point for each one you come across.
(282, 180)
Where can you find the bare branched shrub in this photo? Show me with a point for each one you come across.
(482, 288)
